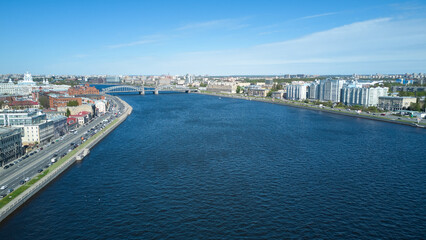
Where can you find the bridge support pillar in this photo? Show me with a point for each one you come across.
(156, 91)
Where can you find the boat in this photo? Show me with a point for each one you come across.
(86, 152)
(80, 157)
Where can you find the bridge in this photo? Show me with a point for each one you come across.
(141, 89)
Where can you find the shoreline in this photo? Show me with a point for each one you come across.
(313, 108)
(44, 179)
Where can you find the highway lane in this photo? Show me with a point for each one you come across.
(29, 167)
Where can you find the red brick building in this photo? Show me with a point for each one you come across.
(72, 123)
(24, 104)
(58, 101)
(82, 117)
(82, 90)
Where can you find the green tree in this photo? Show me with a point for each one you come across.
(72, 103)
(239, 89)
(269, 94)
(328, 103)
(417, 106)
(340, 104)
(372, 109)
(44, 101)
(276, 87)
(68, 113)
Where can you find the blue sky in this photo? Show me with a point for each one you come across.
(212, 37)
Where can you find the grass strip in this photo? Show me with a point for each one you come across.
(22, 188)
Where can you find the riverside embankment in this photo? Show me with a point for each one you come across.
(21, 195)
(318, 108)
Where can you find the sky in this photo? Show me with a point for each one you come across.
(212, 37)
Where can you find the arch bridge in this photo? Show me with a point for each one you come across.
(123, 89)
(141, 89)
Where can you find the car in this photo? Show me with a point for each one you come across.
(6, 167)
(46, 166)
(11, 164)
(27, 179)
(40, 170)
(3, 195)
(3, 187)
(41, 148)
(10, 190)
(22, 182)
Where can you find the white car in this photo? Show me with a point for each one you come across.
(3, 187)
(27, 179)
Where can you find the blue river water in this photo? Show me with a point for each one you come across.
(189, 166)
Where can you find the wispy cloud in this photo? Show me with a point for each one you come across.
(408, 6)
(274, 26)
(219, 23)
(317, 15)
(129, 44)
(359, 46)
(389, 45)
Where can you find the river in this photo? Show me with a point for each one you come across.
(190, 166)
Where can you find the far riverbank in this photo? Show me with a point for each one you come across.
(422, 124)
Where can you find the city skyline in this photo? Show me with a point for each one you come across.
(220, 38)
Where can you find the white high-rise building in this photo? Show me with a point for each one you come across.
(297, 91)
(314, 90)
(189, 79)
(330, 90)
(362, 96)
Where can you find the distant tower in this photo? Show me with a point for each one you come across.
(28, 78)
(188, 79)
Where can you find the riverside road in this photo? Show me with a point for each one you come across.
(12, 177)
